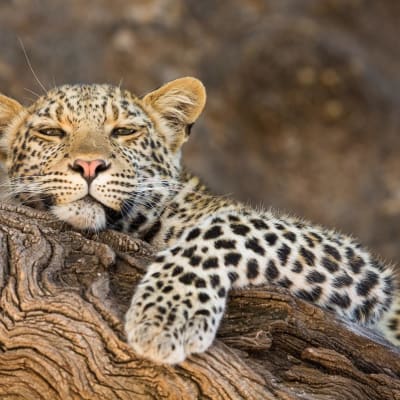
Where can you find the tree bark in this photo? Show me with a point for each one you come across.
(62, 301)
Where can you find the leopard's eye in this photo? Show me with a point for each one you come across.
(52, 132)
(125, 132)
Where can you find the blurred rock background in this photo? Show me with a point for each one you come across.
(304, 95)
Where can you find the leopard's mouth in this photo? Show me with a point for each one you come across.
(89, 199)
(112, 215)
(86, 213)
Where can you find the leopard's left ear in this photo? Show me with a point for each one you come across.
(9, 109)
(179, 103)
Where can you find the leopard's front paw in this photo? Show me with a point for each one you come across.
(149, 340)
(166, 326)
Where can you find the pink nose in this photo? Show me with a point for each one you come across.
(89, 169)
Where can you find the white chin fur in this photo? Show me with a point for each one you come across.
(81, 214)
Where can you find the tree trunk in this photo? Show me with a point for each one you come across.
(62, 301)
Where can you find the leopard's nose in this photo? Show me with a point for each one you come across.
(89, 169)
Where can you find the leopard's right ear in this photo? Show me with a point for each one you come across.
(9, 109)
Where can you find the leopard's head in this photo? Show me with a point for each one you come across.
(93, 154)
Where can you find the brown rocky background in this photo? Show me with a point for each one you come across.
(303, 94)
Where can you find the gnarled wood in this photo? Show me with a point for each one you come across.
(62, 300)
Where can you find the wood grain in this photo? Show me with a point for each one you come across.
(62, 301)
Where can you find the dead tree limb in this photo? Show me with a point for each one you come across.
(62, 299)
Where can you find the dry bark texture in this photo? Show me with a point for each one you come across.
(303, 95)
(62, 299)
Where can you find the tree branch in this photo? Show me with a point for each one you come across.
(62, 301)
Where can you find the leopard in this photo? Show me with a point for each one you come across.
(96, 157)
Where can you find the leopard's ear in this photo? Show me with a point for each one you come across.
(9, 109)
(179, 103)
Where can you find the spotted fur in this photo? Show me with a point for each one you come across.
(97, 157)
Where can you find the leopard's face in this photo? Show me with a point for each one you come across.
(94, 154)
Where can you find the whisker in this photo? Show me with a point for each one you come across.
(30, 65)
(32, 92)
(28, 99)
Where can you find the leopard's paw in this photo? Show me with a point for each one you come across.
(167, 329)
(154, 343)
